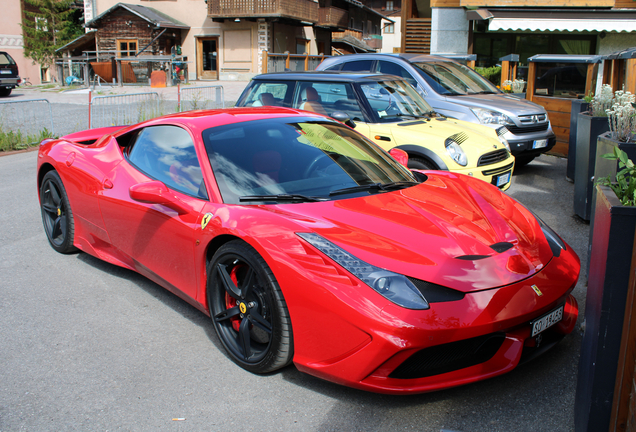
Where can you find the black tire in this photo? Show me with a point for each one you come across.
(523, 160)
(5, 92)
(57, 216)
(248, 309)
(421, 164)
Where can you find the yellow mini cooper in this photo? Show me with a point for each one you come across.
(392, 114)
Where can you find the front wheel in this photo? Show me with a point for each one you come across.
(57, 216)
(248, 309)
(523, 160)
(421, 164)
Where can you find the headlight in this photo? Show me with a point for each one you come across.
(455, 151)
(491, 117)
(393, 286)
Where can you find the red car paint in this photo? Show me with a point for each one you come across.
(343, 330)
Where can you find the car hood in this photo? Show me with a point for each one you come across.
(475, 136)
(510, 105)
(442, 231)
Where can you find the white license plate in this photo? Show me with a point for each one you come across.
(539, 144)
(547, 321)
(503, 179)
(8, 72)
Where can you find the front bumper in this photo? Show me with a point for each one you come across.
(494, 322)
(492, 173)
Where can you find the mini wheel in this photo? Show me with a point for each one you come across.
(421, 164)
(248, 309)
(57, 216)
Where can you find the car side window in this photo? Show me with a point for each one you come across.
(335, 67)
(390, 68)
(166, 153)
(268, 94)
(327, 97)
(357, 66)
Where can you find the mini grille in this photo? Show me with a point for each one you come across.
(493, 157)
(498, 170)
(449, 357)
(527, 129)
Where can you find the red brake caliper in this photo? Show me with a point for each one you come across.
(230, 302)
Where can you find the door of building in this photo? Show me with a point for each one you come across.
(207, 65)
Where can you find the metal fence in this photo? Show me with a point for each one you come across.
(125, 109)
(28, 117)
(208, 97)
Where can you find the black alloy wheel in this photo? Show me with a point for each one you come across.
(57, 216)
(248, 309)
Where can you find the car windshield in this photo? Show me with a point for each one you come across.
(450, 78)
(297, 160)
(392, 101)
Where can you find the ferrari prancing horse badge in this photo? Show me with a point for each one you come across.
(206, 218)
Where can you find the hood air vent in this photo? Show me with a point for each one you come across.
(501, 247)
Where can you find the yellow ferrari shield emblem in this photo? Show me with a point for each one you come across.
(537, 290)
(243, 308)
(206, 219)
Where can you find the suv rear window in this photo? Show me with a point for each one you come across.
(5, 59)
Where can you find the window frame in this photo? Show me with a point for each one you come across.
(128, 52)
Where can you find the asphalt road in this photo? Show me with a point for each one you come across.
(87, 346)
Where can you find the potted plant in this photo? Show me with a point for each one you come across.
(612, 248)
(590, 125)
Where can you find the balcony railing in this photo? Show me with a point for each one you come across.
(302, 10)
(333, 17)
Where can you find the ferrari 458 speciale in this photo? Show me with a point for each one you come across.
(307, 243)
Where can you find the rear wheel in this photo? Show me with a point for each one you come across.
(248, 309)
(421, 164)
(5, 92)
(57, 216)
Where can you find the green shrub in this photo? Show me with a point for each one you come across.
(11, 140)
(492, 74)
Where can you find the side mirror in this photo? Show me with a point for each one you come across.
(400, 155)
(343, 117)
(155, 192)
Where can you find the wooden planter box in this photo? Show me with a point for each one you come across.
(607, 293)
(587, 131)
(578, 106)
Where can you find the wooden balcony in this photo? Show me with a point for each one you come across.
(301, 10)
(417, 39)
(333, 17)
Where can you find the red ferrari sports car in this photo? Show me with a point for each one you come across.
(307, 243)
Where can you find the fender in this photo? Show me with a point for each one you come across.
(416, 150)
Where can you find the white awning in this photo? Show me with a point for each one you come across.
(571, 25)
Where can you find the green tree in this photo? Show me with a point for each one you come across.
(48, 25)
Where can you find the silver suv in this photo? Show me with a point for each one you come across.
(457, 91)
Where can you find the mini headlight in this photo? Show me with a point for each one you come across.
(456, 153)
(491, 117)
(392, 286)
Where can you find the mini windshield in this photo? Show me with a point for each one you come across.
(298, 160)
(449, 78)
(392, 101)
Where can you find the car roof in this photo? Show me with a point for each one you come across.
(406, 56)
(325, 76)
